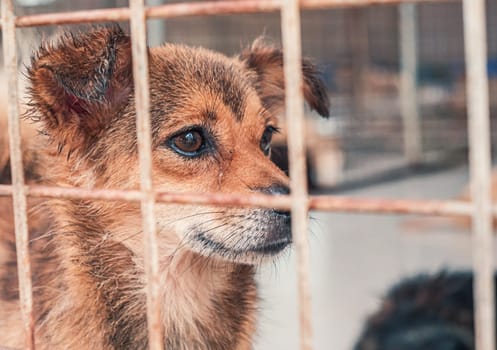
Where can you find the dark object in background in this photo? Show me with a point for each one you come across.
(279, 156)
(426, 312)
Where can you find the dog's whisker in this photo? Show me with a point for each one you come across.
(210, 254)
(184, 240)
(191, 216)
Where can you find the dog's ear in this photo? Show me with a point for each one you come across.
(267, 62)
(79, 83)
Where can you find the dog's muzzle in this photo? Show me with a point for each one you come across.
(262, 234)
(279, 237)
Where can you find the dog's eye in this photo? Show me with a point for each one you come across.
(189, 143)
(266, 139)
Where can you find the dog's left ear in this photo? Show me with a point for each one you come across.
(79, 84)
(267, 63)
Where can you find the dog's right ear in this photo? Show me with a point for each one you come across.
(78, 84)
(266, 61)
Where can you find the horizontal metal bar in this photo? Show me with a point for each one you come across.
(391, 206)
(191, 9)
(321, 203)
(320, 4)
(162, 11)
(213, 8)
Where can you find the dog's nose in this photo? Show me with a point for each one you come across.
(283, 213)
(275, 190)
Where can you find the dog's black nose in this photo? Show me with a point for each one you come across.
(284, 213)
(275, 190)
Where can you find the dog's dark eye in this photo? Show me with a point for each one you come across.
(189, 143)
(266, 139)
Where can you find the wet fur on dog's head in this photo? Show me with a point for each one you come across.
(212, 118)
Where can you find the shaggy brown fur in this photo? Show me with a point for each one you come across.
(212, 119)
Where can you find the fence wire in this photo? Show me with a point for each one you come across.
(299, 201)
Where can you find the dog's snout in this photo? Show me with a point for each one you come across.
(277, 189)
(284, 213)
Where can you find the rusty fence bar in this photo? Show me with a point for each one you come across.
(475, 42)
(18, 189)
(317, 4)
(321, 203)
(144, 133)
(294, 104)
(193, 9)
(299, 201)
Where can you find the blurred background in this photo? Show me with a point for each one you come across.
(387, 137)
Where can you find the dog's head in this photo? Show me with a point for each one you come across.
(212, 120)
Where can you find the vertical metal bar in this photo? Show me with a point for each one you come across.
(480, 166)
(19, 194)
(357, 37)
(408, 83)
(142, 101)
(290, 22)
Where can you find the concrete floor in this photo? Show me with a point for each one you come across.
(355, 258)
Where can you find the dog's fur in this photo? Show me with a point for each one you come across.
(87, 255)
(424, 312)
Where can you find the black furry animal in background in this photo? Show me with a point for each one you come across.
(426, 312)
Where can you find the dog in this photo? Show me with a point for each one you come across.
(424, 312)
(212, 119)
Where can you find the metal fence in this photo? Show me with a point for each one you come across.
(299, 202)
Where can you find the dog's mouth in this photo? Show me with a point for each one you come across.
(271, 248)
(242, 236)
(267, 248)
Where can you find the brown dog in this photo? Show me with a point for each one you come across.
(212, 120)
